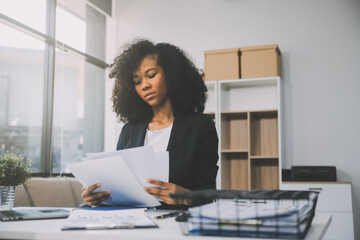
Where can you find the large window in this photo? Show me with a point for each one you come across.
(52, 80)
(78, 123)
(21, 92)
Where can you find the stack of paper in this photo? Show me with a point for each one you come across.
(273, 218)
(124, 173)
(89, 219)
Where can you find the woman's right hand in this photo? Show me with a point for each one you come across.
(94, 199)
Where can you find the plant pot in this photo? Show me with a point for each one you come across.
(7, 197)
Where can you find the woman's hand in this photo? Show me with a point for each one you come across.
(94, 199)
(162, 192)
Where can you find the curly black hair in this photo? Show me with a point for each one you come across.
(186, 88)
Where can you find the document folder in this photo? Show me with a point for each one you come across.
(258, 214)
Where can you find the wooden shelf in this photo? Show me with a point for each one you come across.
(264, 133)
(246, 113)
(265, 174)
(234, 171)
(265, 111)
(234, 128)
(264, 157)
(234, 151)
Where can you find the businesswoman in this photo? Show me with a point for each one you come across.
(160, 95)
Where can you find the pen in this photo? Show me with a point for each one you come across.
(173, 214)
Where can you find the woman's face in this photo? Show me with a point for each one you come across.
(150, 82)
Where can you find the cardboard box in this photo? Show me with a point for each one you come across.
(260, 61)
(222, 64)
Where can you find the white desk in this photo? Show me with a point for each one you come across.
(168, 229)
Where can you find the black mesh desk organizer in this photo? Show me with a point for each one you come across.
(256, 214)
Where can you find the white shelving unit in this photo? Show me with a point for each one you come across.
(247, 114)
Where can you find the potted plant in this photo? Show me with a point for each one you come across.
(14, 171)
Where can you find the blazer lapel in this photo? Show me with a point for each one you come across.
(138, 134)
(179, 130)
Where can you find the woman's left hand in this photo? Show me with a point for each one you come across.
(164, 190)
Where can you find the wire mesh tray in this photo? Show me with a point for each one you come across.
(258, 214)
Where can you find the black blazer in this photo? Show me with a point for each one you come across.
(193, 149)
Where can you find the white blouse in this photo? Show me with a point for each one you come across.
(158, 139)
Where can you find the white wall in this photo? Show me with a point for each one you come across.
(320, 44)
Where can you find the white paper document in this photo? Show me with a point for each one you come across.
(95, 219)
(124, 173)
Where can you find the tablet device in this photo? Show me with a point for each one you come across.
(32, 214)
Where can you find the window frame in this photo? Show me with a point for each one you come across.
(51, 44)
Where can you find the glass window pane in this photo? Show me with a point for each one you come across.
(21, 93)
(31, 13)
(95, 33)
(82, 28)
(78, 110)
(12, 38)
(70, 29)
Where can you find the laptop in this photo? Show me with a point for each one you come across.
(32, 214)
